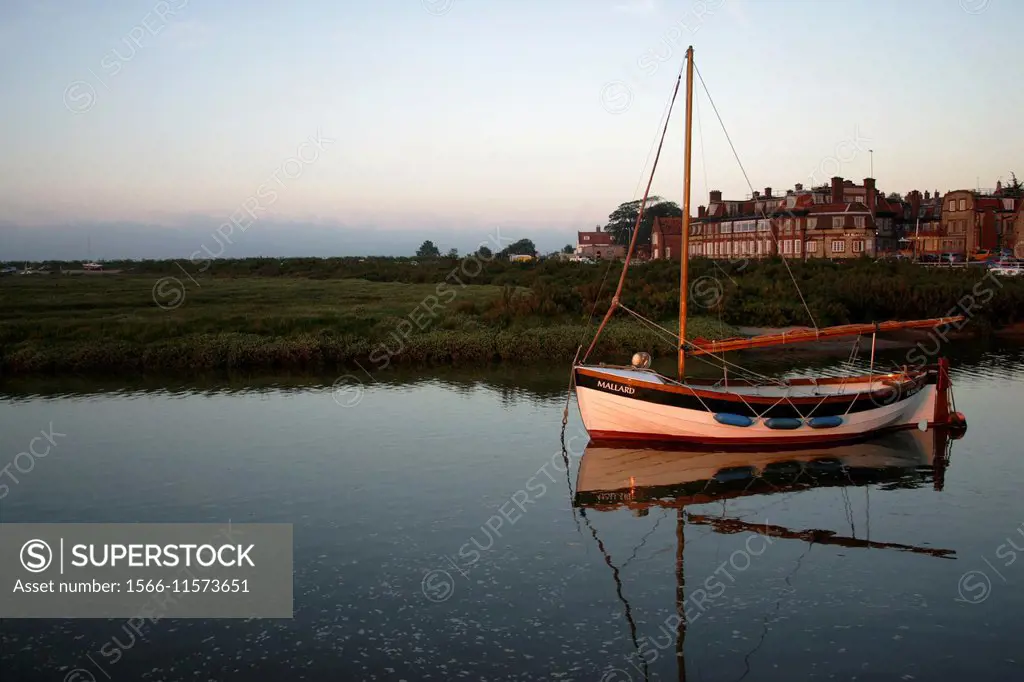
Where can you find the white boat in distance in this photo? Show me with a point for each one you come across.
(636, 403)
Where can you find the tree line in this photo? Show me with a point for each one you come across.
(523, 247)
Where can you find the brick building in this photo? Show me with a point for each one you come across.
(973, 220)
(666, 238)
(923, 226)
(598, 245)
(840, 220)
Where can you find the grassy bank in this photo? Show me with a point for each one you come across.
(259, 314)
(112, 324)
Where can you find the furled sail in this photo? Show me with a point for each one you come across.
(708, 347)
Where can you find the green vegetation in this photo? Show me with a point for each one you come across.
(111, 324)
(307, 313)
(622, 220)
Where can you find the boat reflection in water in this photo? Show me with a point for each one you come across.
(616, 476)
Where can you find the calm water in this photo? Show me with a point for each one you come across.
(438, 536)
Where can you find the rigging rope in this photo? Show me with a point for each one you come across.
(785, 261)
(639, 219)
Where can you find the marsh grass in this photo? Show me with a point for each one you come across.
(306, 313)
(112, 324)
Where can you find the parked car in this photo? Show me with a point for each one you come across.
(1007, 268)
(950, 257)
(928, 258)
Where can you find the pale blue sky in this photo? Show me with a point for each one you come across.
(470, 113)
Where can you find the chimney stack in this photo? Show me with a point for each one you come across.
(702, 212)
(716, 195)
(837, 190)
(757, 194)
(870, 194)
(927, 195)
(914, 199)
(768, 192)
(799, 187)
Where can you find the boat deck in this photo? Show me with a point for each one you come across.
(806, 391)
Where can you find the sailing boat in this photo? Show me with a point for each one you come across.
(640, 479)
(636, 403)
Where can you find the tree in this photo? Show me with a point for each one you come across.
(453, 253)
(523, 247)
(568, 248)
(894, 196)
(623, 218)
(428, 250)
(1013, 188)
(484, 252)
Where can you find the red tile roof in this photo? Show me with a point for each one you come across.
(594, 238)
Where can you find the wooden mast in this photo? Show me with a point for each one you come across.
(684, 254)
(680, 597)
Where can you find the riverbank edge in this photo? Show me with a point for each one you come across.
(232, 351)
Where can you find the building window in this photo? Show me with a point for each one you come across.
(838, 246)
(858, 246)
(858, 221)
(796, 246)
(812, 223)
(787, 246)
(654, 239)
(963, 204)
(668, 252)
(812, 247)
(838, 221)
(952, 204)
